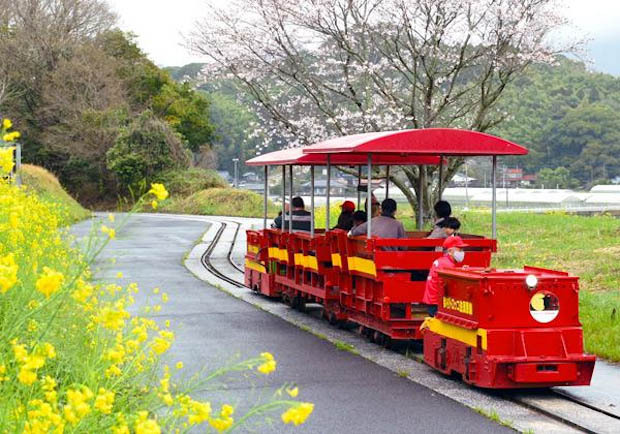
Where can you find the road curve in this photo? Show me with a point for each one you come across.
(351, 394)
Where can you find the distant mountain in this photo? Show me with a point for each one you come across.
(179, 73)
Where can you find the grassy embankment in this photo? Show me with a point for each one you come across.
(49, 191)
(203, 192)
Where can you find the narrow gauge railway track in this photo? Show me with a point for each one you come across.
(568, 410)
(206, 257)
(555, 404)
(232, 246)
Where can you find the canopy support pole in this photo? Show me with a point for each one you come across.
(290, 199)
(266, 196)
(387, 181)
(440, 177)
(329, 179)
(283, 215)
(359, 180)
(420, 198)
(494, 200)
(312, 201)
(369, 198)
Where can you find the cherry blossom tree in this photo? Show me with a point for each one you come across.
(323, 68)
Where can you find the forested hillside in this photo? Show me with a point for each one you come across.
(91, 107)
(566, 115)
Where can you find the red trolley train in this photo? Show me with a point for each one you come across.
(497, 328)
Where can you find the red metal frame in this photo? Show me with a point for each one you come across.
(520, 352)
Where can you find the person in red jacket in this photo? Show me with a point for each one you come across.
(453, 256)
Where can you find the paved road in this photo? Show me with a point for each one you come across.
(351, 394)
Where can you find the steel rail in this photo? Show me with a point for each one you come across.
(205, 259)
(577, 411)
(232, 245)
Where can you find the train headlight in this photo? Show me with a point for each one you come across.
(531, 281)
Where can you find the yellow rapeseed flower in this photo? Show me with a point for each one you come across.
(198, 412)
(49, 282)
(7, 124)
(144, 425)
(8, 272)
(267, 367)
(163, 341)
(111, 217)
(154, 204)
(26, 376)
(7, 161)
(104, 401)
(293, 392)
(298, 415)
(179, 365)
(221, 424)
(159, 191)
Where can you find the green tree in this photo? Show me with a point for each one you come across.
(555, 178)
(146, 147)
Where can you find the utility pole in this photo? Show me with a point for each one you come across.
(466, 182)
(236, 176)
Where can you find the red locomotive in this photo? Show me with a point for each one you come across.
(497, 328)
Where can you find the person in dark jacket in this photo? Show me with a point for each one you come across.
(301, 218)
(345, 220)
(359, 217)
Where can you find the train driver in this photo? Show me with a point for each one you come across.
(301, 217)
(453, 256)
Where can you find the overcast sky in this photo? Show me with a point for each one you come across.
(159, 24)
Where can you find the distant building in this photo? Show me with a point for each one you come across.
(605, 189)
(337, 187)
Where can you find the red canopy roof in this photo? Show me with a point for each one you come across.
(428, 141)
(296, 156)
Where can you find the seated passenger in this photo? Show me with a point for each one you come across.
(301, 217)
(376, 206)
(277, 222)
(345, 220)
(442, 211)
(385, 225)
(450, 226)
(453, 255)
(359, 217)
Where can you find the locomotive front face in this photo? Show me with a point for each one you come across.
(509, 328)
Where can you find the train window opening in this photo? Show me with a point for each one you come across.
(398, 310)
(544, 306)
(419, 275)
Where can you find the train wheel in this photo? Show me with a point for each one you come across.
(387, 342)
(332, 318)
(299, 304)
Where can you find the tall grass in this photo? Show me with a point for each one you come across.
(221, 201)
